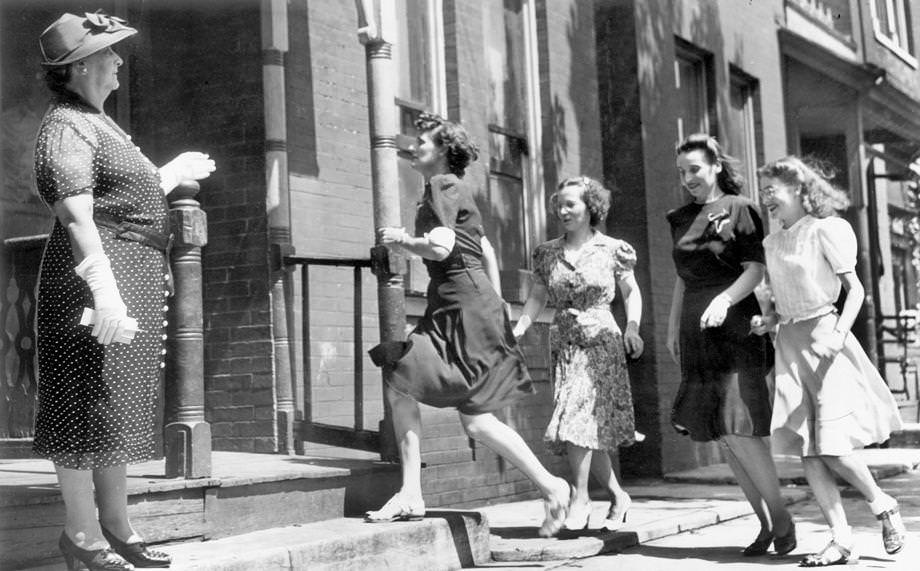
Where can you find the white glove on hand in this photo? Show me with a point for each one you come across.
(111, 312)
(190, 165)
(715, 313)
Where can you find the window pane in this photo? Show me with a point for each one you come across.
(740, 139)
(504, 222)
(506, 63)
(506, 155)
(413, 49)
(691, 97)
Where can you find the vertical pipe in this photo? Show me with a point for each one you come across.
(274, 46)
(864, 328)
(374, 19)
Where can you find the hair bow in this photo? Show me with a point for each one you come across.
(98, 22)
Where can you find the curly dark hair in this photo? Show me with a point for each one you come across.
(729, 180)
(461, 151)
(56, 78)
(811, 178)
(593, 194)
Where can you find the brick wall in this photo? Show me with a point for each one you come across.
(207, 95)
(637, 94)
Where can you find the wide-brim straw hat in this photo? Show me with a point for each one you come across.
(71, 38)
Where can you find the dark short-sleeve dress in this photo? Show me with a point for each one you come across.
(592, 400)
(723, 389)
(462, 353)
(96, 403)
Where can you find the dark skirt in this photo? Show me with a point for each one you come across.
(724, 371)
(462, 353)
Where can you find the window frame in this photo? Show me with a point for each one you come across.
(533, 215)
(752, 126)
(900, 9)
(702, 60)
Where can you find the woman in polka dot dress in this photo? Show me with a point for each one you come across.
(107, 251)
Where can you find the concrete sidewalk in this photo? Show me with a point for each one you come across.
(680, 502)
(450, 539)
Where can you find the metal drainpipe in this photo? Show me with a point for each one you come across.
(274, 46)
(375, 18)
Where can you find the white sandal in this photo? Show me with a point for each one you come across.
(396, 510)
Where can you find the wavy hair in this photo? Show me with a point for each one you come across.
(593, 194)
(461, 151)
(57, 78)
(729, 179)
(811, 178)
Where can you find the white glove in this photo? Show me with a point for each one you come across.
(111, 312)
(190, 165)
(521, 326)
(715, 313)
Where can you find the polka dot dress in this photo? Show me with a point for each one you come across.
(96, 403)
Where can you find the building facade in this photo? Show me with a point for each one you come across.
(277, 92)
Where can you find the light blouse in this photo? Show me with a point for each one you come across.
(804, 261)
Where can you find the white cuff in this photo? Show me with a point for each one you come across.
(443, 237)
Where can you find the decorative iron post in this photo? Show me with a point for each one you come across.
(187, 437)
(375, 18)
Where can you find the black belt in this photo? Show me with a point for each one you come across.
(142, 235)
(135, 232)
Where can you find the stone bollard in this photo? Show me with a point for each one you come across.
(187, 436)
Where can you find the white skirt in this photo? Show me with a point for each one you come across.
(830, 406)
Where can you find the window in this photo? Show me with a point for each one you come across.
(418, 55)
(742, 139)
(891, 22)
(692, 80)
(513, 210)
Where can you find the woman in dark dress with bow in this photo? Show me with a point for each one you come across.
(723, 394)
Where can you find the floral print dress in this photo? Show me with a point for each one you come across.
(592, 401)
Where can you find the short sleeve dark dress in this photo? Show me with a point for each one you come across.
(462, 353)
(96, 403)
(724, 370)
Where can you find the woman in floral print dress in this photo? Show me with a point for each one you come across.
(593, 410)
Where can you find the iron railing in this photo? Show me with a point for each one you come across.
(355, 436)
(18, 384)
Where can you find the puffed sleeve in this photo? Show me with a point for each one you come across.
(747, 239)
(624, 259)
(446, 199)
(541, 256)
(838, 243)
(63, 162)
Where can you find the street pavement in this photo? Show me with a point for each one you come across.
(691, 521)
(718, 546)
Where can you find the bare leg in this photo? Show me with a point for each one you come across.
(750, 492)
(853, 469)
(580, 464)
(112, 497)
(824, 487)
(508, 444)
(80, 524)
(407, 424)
(757, 476)
(602, 469)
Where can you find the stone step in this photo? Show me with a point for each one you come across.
(247, 493)
(444, 540)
